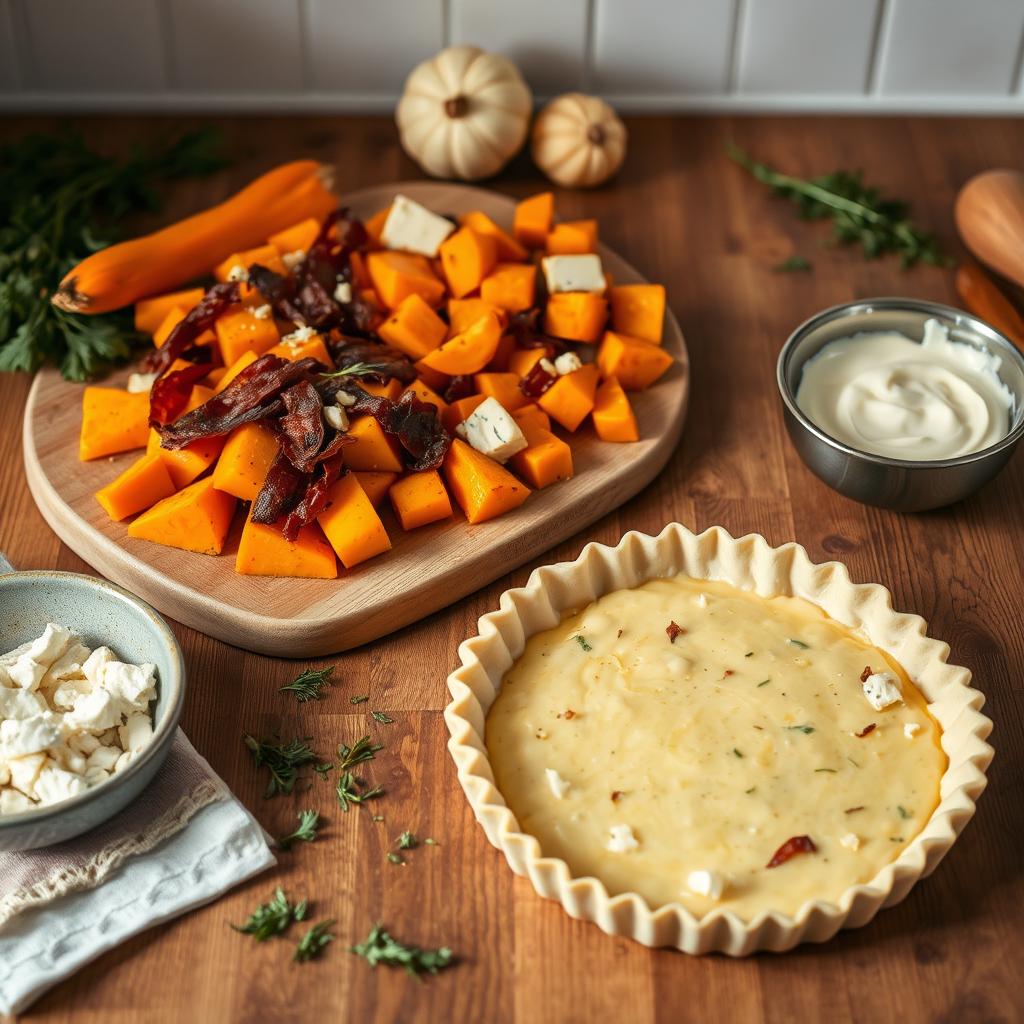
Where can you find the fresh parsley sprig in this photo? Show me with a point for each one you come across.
(313, 943)
(309, 822)
(349, 790)
(309, 685)
(272, 918)
(282, 760)
(380, 948)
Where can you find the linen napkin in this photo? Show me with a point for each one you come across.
(183, 842)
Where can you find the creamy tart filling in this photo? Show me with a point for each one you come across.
(696, 743)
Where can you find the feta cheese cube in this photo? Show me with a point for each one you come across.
(93, 666)
(84, 742)
(54, 784)
(706, 883)
(567, 362)
(20, 704)
(25, 770)
(882, 689)
(299, 334)
(262, 312)
(133, 685)
(136, 733)
(336, 417)
(94, 776)
(492, 430)
(911, 729)
(26, 673)
(238, 273)
(140, 382)
(51, 645)
(577, 273)
(851, 841)
(104, 757)
(28, 735)
(14, 802)
(413, 228)
(70, 692)
(343, 292)
(95, 712)
(558, 786)
(123, 761)
(621, 839)
(69, 664)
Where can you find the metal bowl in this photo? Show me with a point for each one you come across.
(899, 484)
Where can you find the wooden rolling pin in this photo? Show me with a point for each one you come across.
(989, 215)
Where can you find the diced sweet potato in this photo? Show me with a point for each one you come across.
(467, 257)
(183, 465)
(244, 360)
(533, 218)
(397, 275)
(414, 328)
(483, 488)
(510, 286)
(142, 484)
(265, 255)
(547, 460)
(195, 519)
(613, 415)
(150, 313)
(576, 316)
(112, 421)
(239, 332)
(460, 409)
(420, 498)
(499, 361)
(532, 416)
(463, 313)
(245, 461)
(635, 363)
(265, 551)
(304, 348)
(509, 249)
(373, 449)
(571, 398)
(427, 394)
(522, 360)
(572, 236)
(352, 525)
(433, 378)
(468, 352)
(638, 310)
(387, 389)
(171, 319)
(298, 238)
(504, 387)
(375, 485)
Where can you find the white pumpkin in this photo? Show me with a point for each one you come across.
(578, 140)
(464, 113)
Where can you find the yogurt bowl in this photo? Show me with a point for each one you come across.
(901, 484)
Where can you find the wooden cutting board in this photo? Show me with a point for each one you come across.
(426, 570)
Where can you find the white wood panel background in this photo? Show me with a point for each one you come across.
(353, 55)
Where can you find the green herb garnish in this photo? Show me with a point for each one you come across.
(792, 264)
(395, 858)
(308, 685)
(805, 729)
(381, 948)
(582, 641)
(312, 944)
(430, 842)
(348, 792)
(309, 822)
(270, 919)
(407, 841)
(903, 812)
(356, 370)
(749, 791)
(379, 716)
(282, 760)
(860, 214)
(764, 682)
(736, 752)
(798, 643)
(359, 700)
(832, 770)
(378, 817)
(361, 750)
(749, 654)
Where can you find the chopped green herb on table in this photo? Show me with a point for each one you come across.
(309, 685)
(313, 943)
(309, 822)
(282, 760)
(380, 948)
(272, 918)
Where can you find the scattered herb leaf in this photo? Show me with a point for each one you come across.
(272, 918)
(749, 654)
(582, 641)
(737, 753)
(282, 760)
(312, 944)
(356, 370)
(764, 682)
(395, 858)
(378, 817)
(360, 751)
(407, 841)
(430, 842)
(379, 716)
(832, 770)
(903, 812)
(805, 729)
(751, 790)
(359, 700)
(792, 264)
(798, 643)
(309, 822)
(309, 685)
(380, 948)
(348, 791)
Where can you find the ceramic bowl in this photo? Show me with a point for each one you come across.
(875, 479)
(100, 613)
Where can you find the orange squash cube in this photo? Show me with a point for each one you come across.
(183, 465)
(414, 328)
(390, 389)
(468, 352)
(570, 399)
(144, 483)
(427, 394)
(171, 319)
(264, 551)
(150, 313)
(298, 238)
(572, 236)
(244, 360)
(522, 360)
(532, 220)
(547, 460)
(433, 378)
(112, 421)
(372, 449)
(638, 310)
(303, 348)
(375, 485)
(460, 410)
(397, 275)
(351, 524)
(240, 262)
(240, 332)
(504, 387)
(636, 364)
(195, 519)
(245, 461)
(576, 316)
(509, 250)
(463, 313)
(510, 286)
(375, 225)
(532, 416)
(467, 258)
(613, 415)
(420, 498)
(483, 488)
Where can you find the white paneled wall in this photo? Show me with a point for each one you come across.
(257, 55)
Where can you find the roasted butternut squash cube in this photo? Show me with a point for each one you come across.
(510, 286)
(389, 389)
(504, 387)
(171, 319)
(463, 313)
(613, 415)
(195, 519)
(397, 275)
(570, 399)
(419, 499)
(532, 220)
(572, 236)
(245, 461)
(144, 483)
(532, 416)
(298, 238)
(150, 313)
(438, 381)
(375, 225)
(312, 347)
(240, 331)
(375, 485)
(238, 264)
(427, 394)
(372, 449)
(509, 250)
(414, 328)
(522, 360)
(351, 524)
(576, 316)
(183, 465)
(547, 460)
(112, 421)
(460, 410)
(638, 310)
(265, 551)
(467, 258)
(468, 352)
(636, 364)
(244, 360)
(483, 488)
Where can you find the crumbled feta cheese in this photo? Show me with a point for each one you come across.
(262, 312)
(413, 228)
(134, 686)
(558, 786)
(702, 600)
(292, 259)
(20, 705)
(55, 784)
(25, 770)
(336, 417)
(68, 665)
(706, 883)
(568, 362)
(851, 841)
(344, 399)
(238, 273)
(882, 690)
(33, 660)
(575, 273)
(299, 334)
(911, 729)
(124, 760)
(26, 673)
(491, 429)
(14, 802)
(136, 733)
(547, 366)
(94, 776)
(343, 292)
(28, 735)
(70, 692)
(104, 757)
(621, 839)
(93, 666)
(84, 742)
(140, 382)
(96, 711)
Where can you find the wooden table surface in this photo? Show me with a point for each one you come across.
(683, 215)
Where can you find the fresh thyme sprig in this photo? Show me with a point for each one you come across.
(348, 791)
(282, 760)
(272, 918)
(860, 214)
(380, 948)
(309, 684)
(355, 370)
(312, 944)
(309, 822)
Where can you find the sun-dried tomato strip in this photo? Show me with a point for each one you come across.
(461, 386)
(866, 731)
(282, 489)
(316, 498)
(301, 428)
(673, 629)
(197, 320)
(537, 381)
(171, 392)
(525, 330)
(790, 848)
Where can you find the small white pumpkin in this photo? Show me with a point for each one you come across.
(578, 140)
(464, 113)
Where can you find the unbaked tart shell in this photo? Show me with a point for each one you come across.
(751, 564)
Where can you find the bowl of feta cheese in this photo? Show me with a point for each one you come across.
(91, 690)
